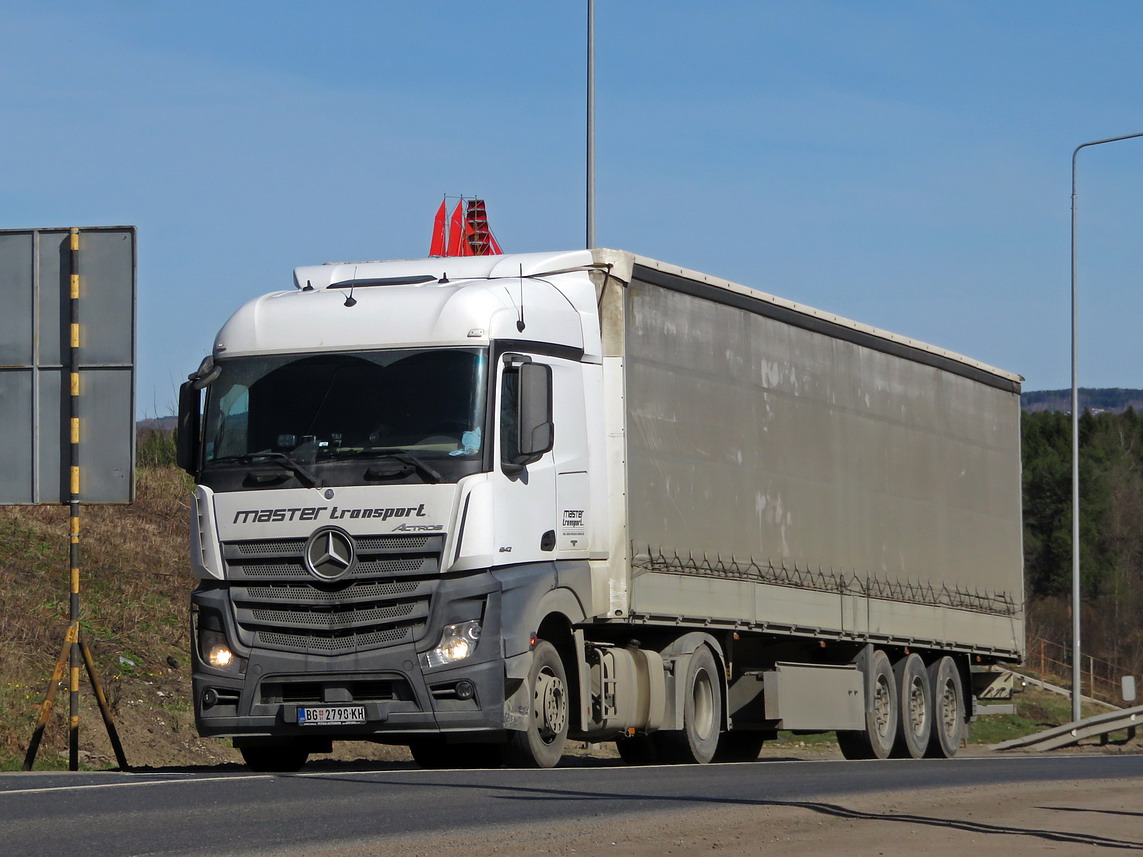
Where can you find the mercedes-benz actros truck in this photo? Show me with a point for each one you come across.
(480, 506)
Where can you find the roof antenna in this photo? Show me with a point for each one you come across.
(350, 300)
(520, 320)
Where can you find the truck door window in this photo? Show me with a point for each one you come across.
(526, 429)
(509, 415)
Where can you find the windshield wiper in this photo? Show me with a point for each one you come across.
(407, 458)
(275, 457)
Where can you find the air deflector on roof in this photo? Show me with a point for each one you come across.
(383, 281)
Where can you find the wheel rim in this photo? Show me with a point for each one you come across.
(550, 706)
(702, 699)
(918, 705)
(949, 708)
(882, 706)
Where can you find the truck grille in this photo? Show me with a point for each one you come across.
(383, 601)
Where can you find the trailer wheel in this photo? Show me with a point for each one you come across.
(875, 741)
(274, 758)
(542, 744)
(948, 708)
(697, 741)
(433, 753)
(915, 717)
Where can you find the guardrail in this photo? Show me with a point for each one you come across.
(1070, 733)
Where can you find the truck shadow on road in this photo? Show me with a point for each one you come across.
(1085, 809)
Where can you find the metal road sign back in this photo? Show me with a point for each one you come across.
(36, 331)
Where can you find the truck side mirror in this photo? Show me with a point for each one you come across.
(187, 431)
(527, 430)
(537, 432)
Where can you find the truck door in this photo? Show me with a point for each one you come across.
(525, 512)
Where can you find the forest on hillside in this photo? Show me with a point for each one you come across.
(1117, 399)
(1111, 531)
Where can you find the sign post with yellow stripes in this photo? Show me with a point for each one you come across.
(67, 369)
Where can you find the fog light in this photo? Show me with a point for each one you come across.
(209, 698)
(464, 689)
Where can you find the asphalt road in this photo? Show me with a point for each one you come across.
(213, 811)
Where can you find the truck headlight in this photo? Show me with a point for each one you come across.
(215, 651)
(457, 643)
(220, 656)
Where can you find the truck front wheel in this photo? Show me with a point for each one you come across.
(542, 744)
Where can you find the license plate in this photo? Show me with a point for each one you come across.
(334, 715)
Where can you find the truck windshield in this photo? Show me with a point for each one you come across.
(417, 407)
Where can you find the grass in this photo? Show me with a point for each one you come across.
(1036, 710)
(134, 585)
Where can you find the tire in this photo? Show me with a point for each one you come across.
(948, 708)
(915, 708)
(875, 741)
(739, 746)
(637, 750)
(697, 741)
(275, 758)
(434, 754)
(541, 745)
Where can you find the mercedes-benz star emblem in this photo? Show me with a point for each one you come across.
(329, 553)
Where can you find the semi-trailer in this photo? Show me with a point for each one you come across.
(483, 505)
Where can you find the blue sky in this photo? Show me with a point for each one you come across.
(903, 164)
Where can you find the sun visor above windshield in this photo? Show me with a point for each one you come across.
(439, 268)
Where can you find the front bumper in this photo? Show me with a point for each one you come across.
(260, 693)
(399, 700)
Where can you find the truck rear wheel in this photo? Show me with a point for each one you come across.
(702, 715)
(541, 745)
(875, 741)
(915, 716)
(274, 758)
(948, 708)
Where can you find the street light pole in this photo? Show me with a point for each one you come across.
(590, 124)
(1077, 686)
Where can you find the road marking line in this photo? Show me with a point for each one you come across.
(188, 779)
